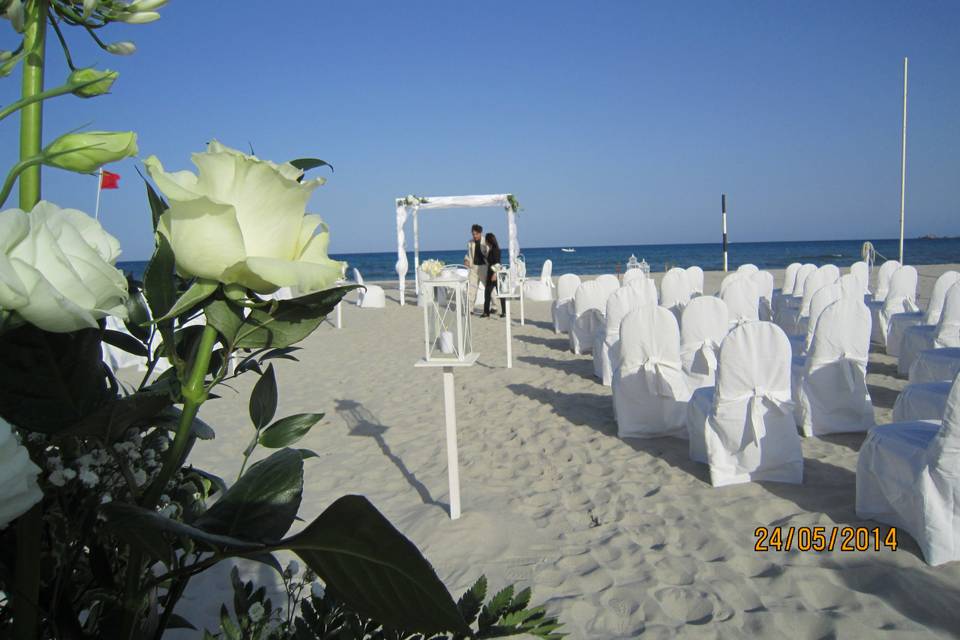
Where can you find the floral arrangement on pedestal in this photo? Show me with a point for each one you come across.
(432, 267)
(103, 522)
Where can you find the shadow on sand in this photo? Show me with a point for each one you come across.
(560, 343)
(362, 422)
(582, 368)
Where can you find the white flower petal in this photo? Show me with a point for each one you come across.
(204, 236)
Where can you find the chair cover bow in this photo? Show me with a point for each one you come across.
(663, 377)
(779, 401)
(706, 356)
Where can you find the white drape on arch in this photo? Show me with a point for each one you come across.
(405, 210)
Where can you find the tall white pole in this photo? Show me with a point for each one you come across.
(723, 209)
(453, 464)
(96, 210)
(903, 158)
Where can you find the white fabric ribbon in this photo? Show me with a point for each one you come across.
(662, 376)
(851, 365)
(780, 401)
(706, 356)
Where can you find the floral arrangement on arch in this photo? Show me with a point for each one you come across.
(103, 521)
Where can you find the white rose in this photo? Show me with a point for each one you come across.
(242, 221)
(56, 268)
(18, 477)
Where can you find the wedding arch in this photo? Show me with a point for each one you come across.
(410, 206)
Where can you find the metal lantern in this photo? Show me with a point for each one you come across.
(505, 284)
(446, 319)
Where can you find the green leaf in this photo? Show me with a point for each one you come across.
(125, 342)
(227, 625)
(497, 607)
(263, 399)
(138, 314)
(305, 164)
(159, 285)
(263, 503)
(286, 431)
(179, 622)
(375, 569)
(131, 523)
(292, 321)
(471, 601)
(110, 421)
(157, 204)
(199, 291)
(51, 381)
(224, 316)
(307, 453)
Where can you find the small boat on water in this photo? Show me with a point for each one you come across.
(567, 250)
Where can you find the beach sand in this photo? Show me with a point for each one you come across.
(617, 537)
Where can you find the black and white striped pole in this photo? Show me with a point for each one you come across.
(723, 208)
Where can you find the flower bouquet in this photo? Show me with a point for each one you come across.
(432, 267)
(103, 521)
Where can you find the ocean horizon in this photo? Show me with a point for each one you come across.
(592, 260)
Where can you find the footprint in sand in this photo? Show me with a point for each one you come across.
(686, 605)
(676, 570)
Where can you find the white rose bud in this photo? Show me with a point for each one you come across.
(89, 6)
(243, 221)
(147, 5)
(123, 48)
(18, 477)
(141, 17)
(88, 151)
(56, 269)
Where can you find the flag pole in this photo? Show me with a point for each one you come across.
(903, 158)
(96, 211)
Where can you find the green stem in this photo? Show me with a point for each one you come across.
(31, 117)
(194, 394)
(26, 621)
(43, 95)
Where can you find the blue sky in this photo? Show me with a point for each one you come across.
(613, 122)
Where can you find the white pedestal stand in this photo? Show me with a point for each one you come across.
(340, 315)
(450, 419)
(523, 317)
(506, 300)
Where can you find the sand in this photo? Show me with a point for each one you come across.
(617, 537)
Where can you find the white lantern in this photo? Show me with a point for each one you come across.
(505, 284)
(446, 319)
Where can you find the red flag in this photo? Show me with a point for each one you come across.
(109, 180)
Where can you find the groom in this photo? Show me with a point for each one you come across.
(476, 261)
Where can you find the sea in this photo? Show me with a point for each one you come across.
(660, 257)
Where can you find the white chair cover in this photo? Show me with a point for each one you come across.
(788, 311)
(932, 365)
(744, 427)
(900, 321)
(823, 298)
(608, 283)
(589, 304)
(649, 392)
(648, 286)
(370, 298)
(705, 323)
(632, 274)
(922, 401)
(606, 346)
(763, 280)
(541, 290)
(729, 279)
(790, 278)
(814, 282)
(861, 271)
(884, 273)
(901, 297)
(831, 383)
(695, 275)
(748, 268)
(946, 333)
(675, 291)
(743, 300)
(907, 477)
(562, 309)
